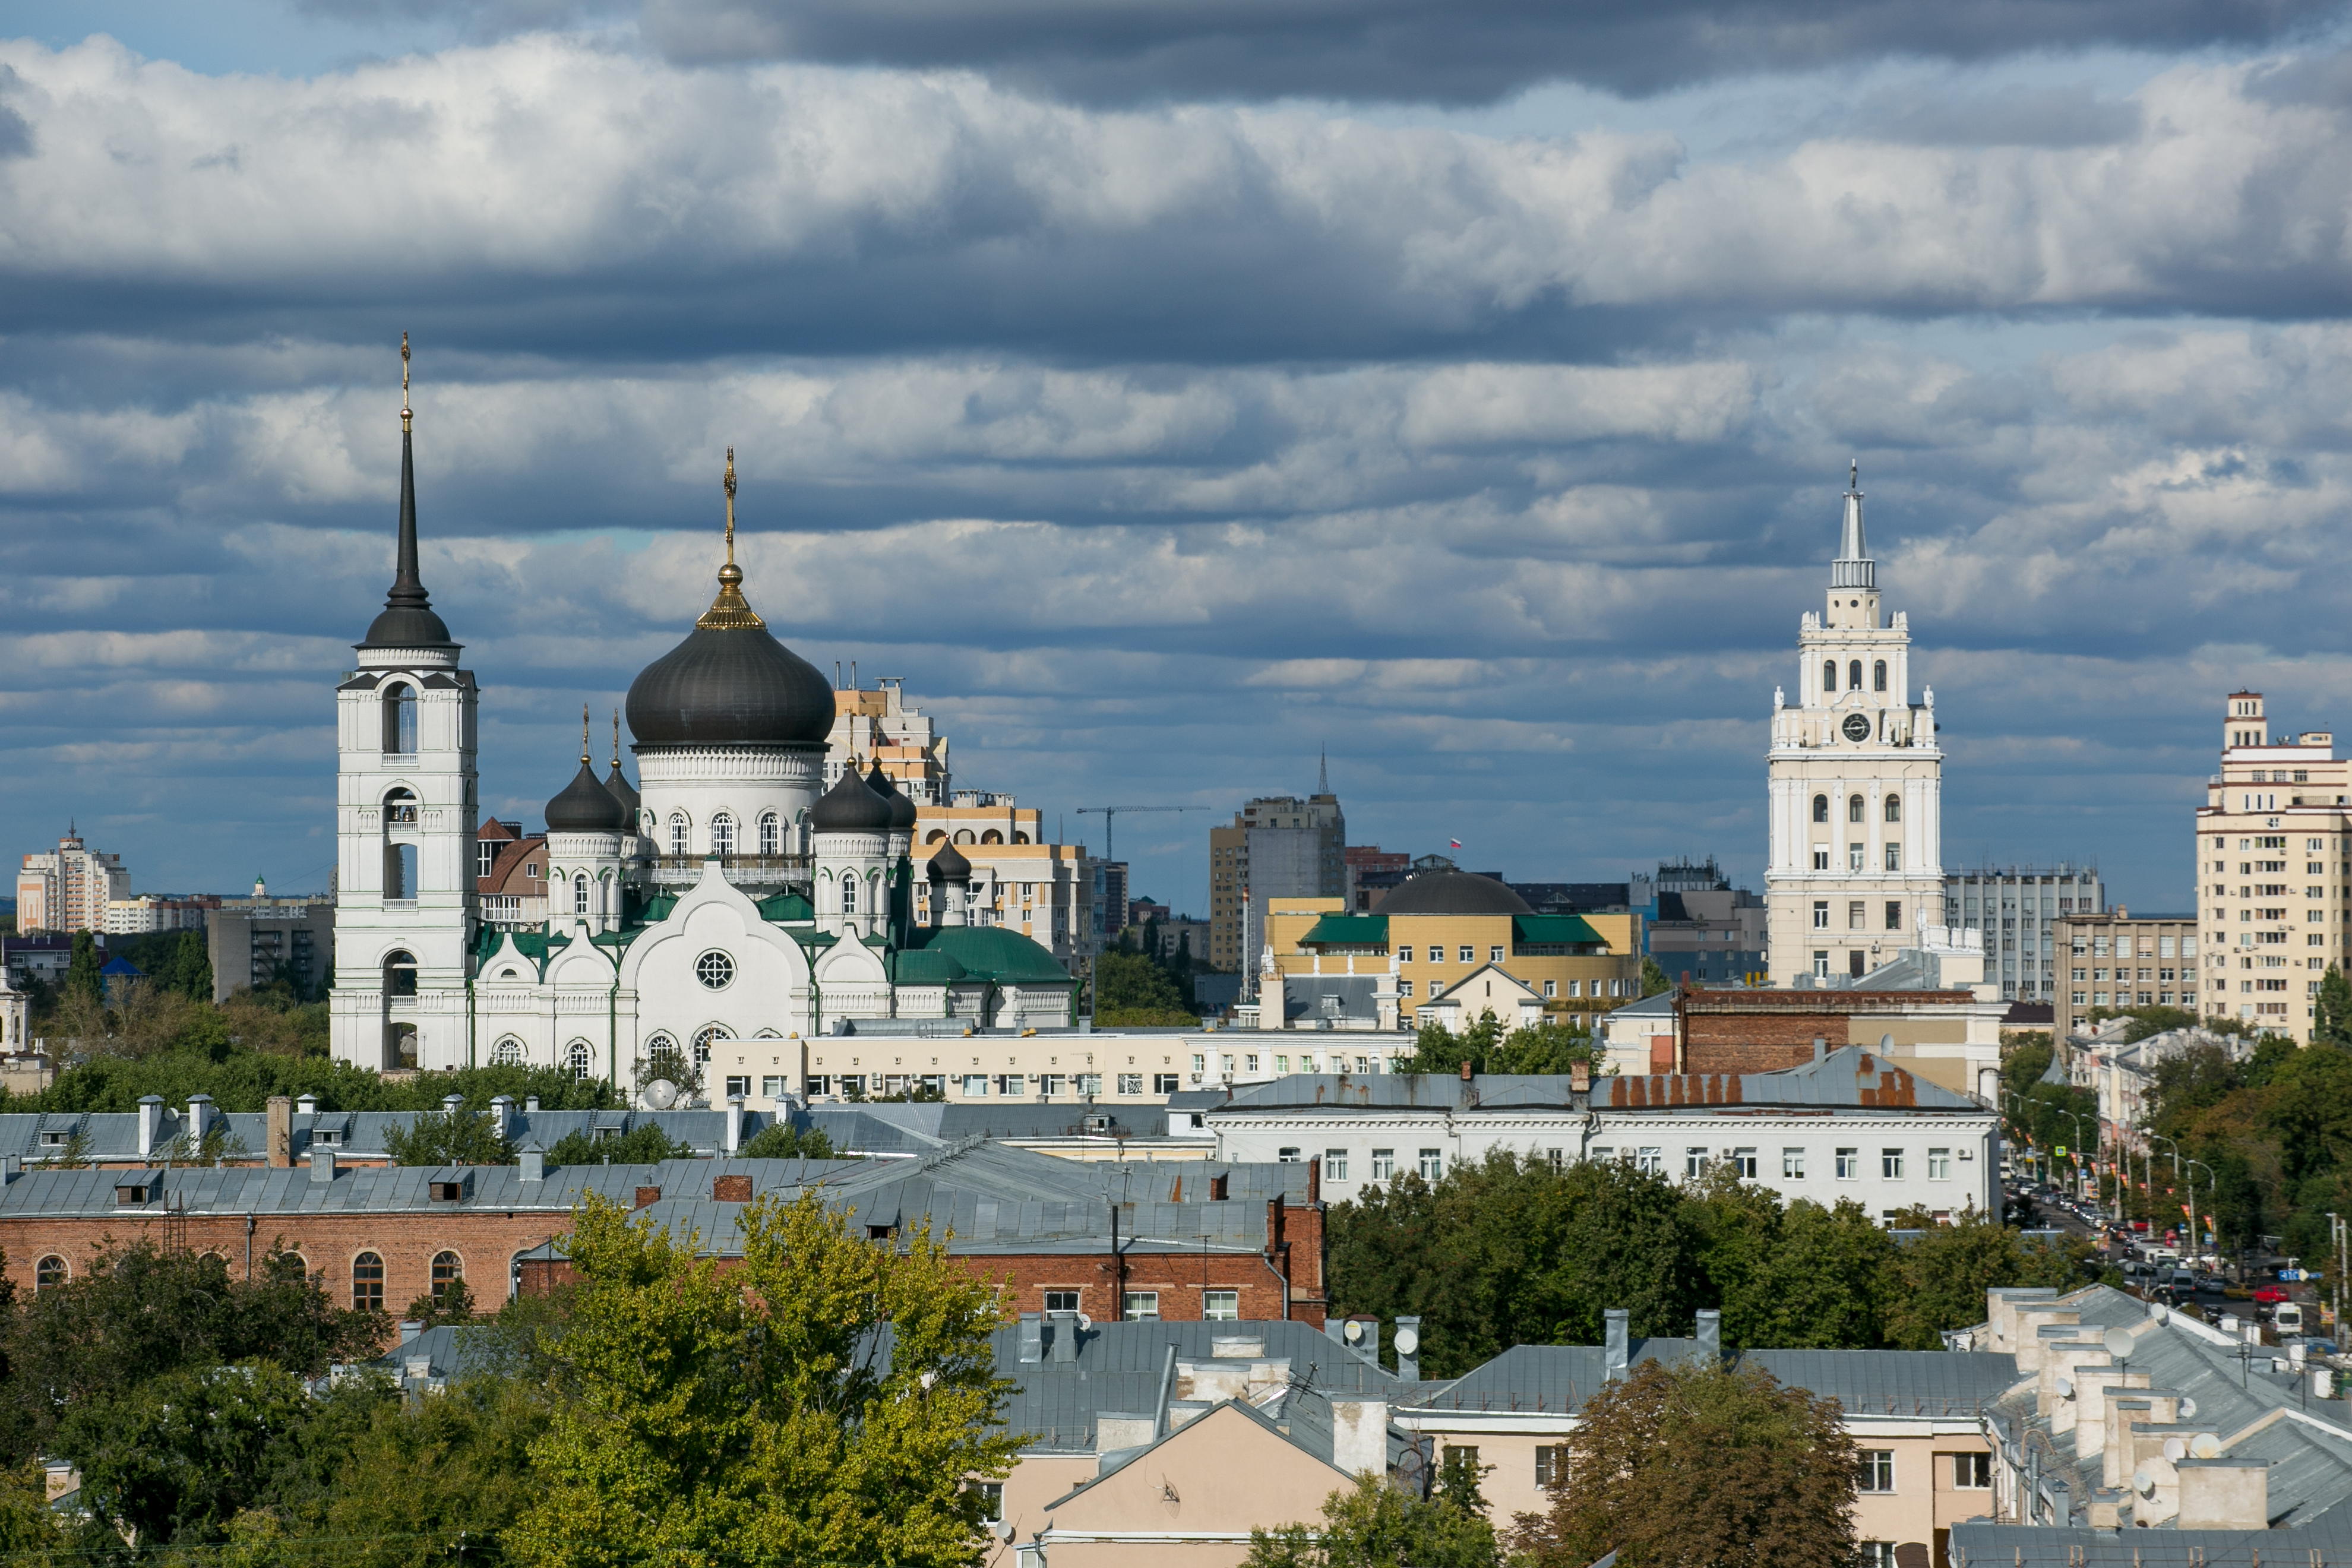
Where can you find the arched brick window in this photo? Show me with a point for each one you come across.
(367, 1282)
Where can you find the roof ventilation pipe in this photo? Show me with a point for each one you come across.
(1615, 1346)
(1710, 1338)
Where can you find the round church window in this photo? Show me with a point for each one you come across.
(715, 970)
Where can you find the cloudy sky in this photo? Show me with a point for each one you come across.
(1169, 389)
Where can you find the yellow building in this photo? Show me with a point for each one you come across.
(1436, 932)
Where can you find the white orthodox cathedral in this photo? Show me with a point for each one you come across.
(734, 899)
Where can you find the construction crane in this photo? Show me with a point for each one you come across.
(1109, 813)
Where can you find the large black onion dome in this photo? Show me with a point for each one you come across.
(1452, 893)
(902, 810)
(850, 807)
(731, 682)
(949, 866)
(587, 806)
(729, 686)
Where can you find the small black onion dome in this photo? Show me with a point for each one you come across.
(902, 810)
(949, 866)
(1452, 893)
(850, 807)
(586, 807)
(617, 783)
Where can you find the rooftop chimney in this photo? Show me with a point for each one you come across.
(200, 1117)
(501, 1112)
(1408, 1349)
(1710, 1336)
(1615, 1342)
(1033, 1338)
(409, 1329)
(281, 1131)
(307, 1104)
(534, 1160)
(1821, 1049)
(322, 1164)
(734, 1125)
(1066, 1335)
(452, 1104)
(530, 1105)
(150, 1123)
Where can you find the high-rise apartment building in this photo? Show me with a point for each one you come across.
(1278, 847)
(68, 888)
(2017, 907)
(2273, 872)
(1856, 785)
(879, 726)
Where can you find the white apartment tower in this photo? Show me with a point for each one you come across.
(404, 818)
(1855, 862)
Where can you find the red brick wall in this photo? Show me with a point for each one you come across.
(1177, 1276)
(1725, 1056)
(485, 1242)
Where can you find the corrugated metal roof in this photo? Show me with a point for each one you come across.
(1908, 1383)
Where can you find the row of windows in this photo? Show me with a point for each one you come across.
(367, 1275)
(1854, 674)
(1857, 857)
(971, 1086)
(723, 834)
(1857, 916)
(1697, 1160)
(1856, 809)
(1970, 1472)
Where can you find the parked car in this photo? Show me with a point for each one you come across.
(2269, 1294)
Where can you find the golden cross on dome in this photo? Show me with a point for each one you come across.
(731, 506)
(583, 734)
(406, 414)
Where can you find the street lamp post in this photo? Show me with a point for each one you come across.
(2211, 1188)
(2160, 1138)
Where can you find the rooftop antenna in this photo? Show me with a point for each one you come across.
(1323, 770)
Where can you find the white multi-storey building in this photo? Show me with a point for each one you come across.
(2273, 872)
(69, 888)
(2016, 908)
(1855, 862)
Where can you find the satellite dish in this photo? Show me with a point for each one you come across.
(2119, 1343)
(2142, 1483)
(1085, 1322)
(2175, 1449)
(2188, 1413)
(2205, 1446)
(1354, 1331)
(1407, 1341)
(2065, 1388)
(661, 1094)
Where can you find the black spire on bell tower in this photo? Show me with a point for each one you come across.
(408, 620)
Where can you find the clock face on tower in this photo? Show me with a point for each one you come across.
(1857, 727)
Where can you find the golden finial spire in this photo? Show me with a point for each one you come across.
(729, 611)
(583, 734)
(406, 414)
(616, 737)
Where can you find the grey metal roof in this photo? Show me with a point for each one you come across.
(911, 1127)
(1905, 1382)
(1851, 1078)
(1349, 997)
(1057, 1403)
(2309, 1457)
(1983, 1544)
(113, 1135)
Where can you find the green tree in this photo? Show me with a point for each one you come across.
(1438, 1049)
(1696, 1466)
(1938, 1279)
(1377, 1525)
(173, 1459)
(1132, 990)
(749, 1416)
(1653, 978)
(127, 1317)
(2332, 1013)
(432, 1482)
(1509, 1251)
(643, 1145)
(83, 978)
(449, 1303)
(1550, 1047)
(190, 972)
(452, 1137)
(781, 1140)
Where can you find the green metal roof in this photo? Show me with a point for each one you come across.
(917, 966)
(991, 952)
(781, 907)
(1348, 931)
(1554, 928)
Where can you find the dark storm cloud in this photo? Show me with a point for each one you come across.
(1421, 51)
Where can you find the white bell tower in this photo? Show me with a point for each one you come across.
(405, 806)
(1855, 862)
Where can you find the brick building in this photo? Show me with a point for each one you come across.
(1182, 1241)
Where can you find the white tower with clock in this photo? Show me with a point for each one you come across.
(1856, 867)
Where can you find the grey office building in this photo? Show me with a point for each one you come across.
(2015, 907)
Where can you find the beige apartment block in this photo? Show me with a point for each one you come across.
(879, 725)
(2120, 960)
(69, 888)
(1855, 778)
(2273, 872)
